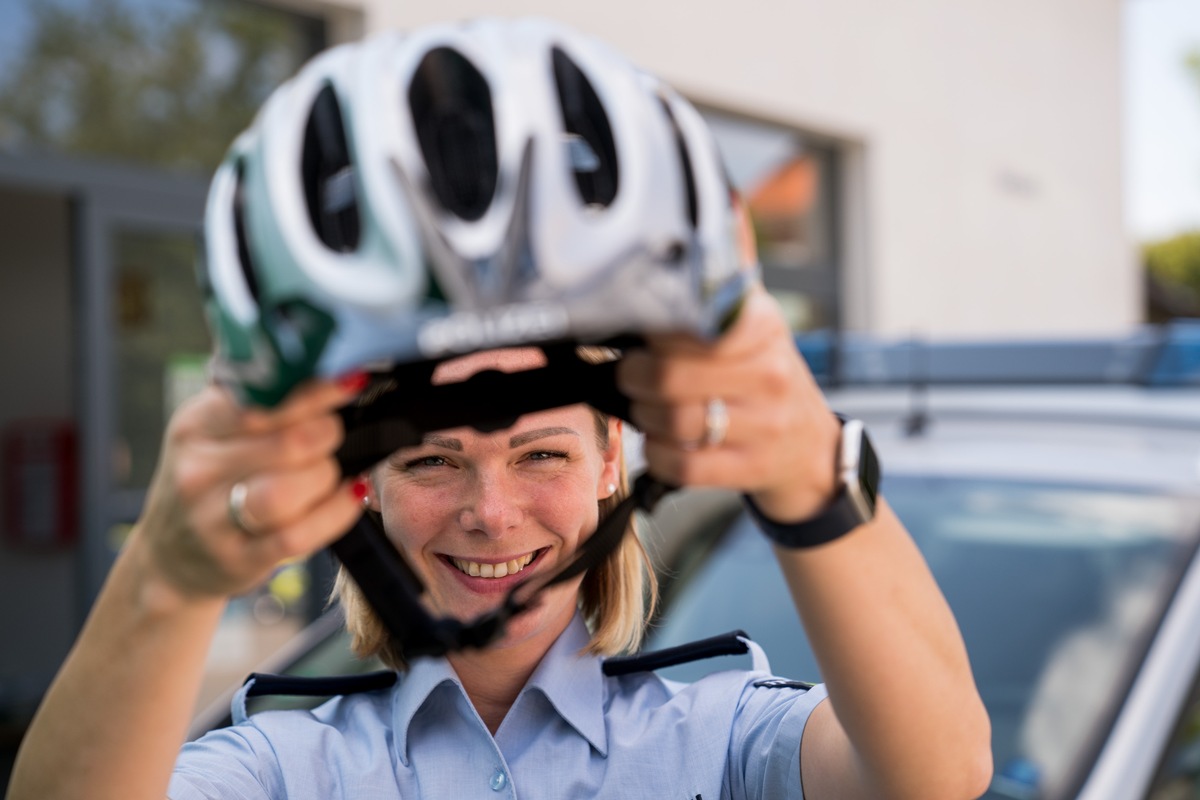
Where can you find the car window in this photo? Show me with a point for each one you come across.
(1056, 588)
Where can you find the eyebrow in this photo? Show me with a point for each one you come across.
(540, 433)
(443, 441)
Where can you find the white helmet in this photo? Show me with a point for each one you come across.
(463, 187)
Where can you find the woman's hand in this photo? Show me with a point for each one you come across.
(294, 499)
(781, 439)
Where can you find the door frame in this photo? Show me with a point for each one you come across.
(104, 199)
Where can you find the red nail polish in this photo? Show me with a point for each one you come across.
(354, 381)
(360, 489)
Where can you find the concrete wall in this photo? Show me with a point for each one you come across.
(984, 172)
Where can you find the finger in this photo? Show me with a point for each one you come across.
(687, 465)
(278, 499)
(682, 423)
(327, 520)
(294, 447)
(224, 417)
(747, 424)
(645, 376)
(314, 398)
(760, 319)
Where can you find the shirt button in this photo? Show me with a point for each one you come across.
(499, 779)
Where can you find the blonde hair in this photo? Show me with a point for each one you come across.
(617, 598)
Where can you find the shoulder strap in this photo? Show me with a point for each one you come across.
(734, 643)
(260, 684)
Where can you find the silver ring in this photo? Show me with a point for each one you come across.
(716, 422)
(237, 508)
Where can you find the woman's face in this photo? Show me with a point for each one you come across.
(478, 513)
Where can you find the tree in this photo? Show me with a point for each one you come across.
(165, 84)
(1173, 276)
(1173, 264)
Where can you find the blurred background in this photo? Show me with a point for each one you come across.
(1006, 168)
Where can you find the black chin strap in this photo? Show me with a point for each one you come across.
(387, 417)
(394, 590)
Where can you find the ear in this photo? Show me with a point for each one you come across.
(610, 473)
(372, 501)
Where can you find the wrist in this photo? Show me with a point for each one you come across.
(810, 485)
(857, 477)
(158, 593)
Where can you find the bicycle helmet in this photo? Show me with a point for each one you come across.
(462, 187)
(456, 188)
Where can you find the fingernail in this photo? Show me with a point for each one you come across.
(354, 381)
(361, 489)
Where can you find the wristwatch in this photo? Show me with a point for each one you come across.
(858, 476)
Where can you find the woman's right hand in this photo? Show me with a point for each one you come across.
(295, 499)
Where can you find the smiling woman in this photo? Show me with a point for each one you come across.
(461, 170)
(472, 488)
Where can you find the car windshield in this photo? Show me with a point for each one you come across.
(1057, 589)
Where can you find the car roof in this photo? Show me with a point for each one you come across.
(1118, 435)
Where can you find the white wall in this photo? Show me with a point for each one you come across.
(984, 140)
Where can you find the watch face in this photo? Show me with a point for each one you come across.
(868, 472)
(859, 469)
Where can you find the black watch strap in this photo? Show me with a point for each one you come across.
(857, 469)
(836, 520)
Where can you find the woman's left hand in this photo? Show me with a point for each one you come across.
(779, 439)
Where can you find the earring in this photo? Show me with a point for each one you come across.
(612, 489)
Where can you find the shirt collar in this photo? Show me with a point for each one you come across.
(423, 676)
(570, 680)
(573, 683)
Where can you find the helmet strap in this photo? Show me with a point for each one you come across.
(393, 588)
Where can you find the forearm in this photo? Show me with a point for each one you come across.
(114, 718)
(897, 672)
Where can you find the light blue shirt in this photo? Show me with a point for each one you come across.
(572, 733)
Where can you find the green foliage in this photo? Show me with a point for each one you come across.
(164, 84)
(1175, 260)
(1173, 277)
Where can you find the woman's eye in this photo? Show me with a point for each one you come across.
(425, 461)
(546, 455)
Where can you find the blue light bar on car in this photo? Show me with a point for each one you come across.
(1166, 355)
(1178, 362)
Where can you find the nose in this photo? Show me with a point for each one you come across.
(492, 507)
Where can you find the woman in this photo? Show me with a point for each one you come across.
(239, 489)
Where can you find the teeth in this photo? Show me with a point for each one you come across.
(477, 570)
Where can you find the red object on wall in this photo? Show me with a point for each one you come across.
(41, 482)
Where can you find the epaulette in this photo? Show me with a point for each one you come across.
(783, 683)
(733, 643)
(267, 684)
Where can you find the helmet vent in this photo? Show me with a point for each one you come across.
(328, 175)
(587, 128)
(685, 164)
(239, 232)
(451, 107)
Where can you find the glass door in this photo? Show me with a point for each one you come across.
(148, 351)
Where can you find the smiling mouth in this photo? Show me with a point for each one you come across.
(478, 569)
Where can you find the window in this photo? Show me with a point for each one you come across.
(788, 179)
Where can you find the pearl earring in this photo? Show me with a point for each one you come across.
(612, 488)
